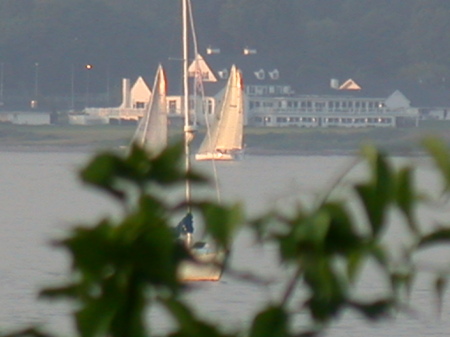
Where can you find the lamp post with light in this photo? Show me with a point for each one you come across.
(36, 80)
(72, 87)
(88, 69)
(34, 101)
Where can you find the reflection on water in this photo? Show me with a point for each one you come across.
(40, 198)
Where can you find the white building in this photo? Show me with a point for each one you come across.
(134, 102)
(26, 118)
(271, 102)
(268, 100)
(345, 109)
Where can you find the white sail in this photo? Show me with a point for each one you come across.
(151, 132)
(224, 139)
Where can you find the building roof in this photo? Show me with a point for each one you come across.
(256, 69)
(420, 95)
(175, 83)
(261, 69)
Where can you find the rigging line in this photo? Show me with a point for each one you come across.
(194, 38)
(194, 34)
(209, 138)
(216, 181)
(213, 161)
(194, 42)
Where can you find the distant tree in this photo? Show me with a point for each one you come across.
(307, 38)
(426, 40)
(15, 8)
(262, 24)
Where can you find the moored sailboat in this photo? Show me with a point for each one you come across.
(207, 262)
(224, 138)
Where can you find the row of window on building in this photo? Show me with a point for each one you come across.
(317, 105)
(310, 121)
(263, 90)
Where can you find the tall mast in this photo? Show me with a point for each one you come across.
(188, 128)
(185, 65)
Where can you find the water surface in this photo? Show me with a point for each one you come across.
(41, 197)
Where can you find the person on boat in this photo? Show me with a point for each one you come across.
(186, 225)
(185, 229)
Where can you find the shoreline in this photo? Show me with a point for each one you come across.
(49, 148)
(404, 142)
(92, 150)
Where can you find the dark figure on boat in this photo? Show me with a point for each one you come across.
(185, 226)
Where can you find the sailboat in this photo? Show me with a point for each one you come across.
(151, 133)
(224, 139)
(208, 262)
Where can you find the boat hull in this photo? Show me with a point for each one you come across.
(207, 265)
(219, 156)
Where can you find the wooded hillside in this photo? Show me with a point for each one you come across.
(309, 38)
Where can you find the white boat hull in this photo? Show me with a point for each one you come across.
(229, 156)
(207, 266)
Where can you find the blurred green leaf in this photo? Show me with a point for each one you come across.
(188, 324)
(271, 322)
(327, 286)
(221, 222)
(97, 313)
(439, 236)
(440, 286)
(101, 172)
(402, 280)
(306, 236)
(342, 237)
(375, 310)
(29, 332)
(380, 254)
(355, 261)
(440, 153)
(407, 198)
(69, 291)
(263, 226)
(168, 167)
(378, 192)
(118, 174)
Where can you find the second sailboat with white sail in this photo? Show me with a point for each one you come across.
(224, 137)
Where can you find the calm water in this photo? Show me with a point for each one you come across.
(40, 198)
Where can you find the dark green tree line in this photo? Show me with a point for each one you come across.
(389, 39)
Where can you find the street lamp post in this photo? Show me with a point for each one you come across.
(36, 80)
(72, 87)
(107, 86)
(88, 68)
(34, 101)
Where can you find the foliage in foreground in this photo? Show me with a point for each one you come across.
(324, 248)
